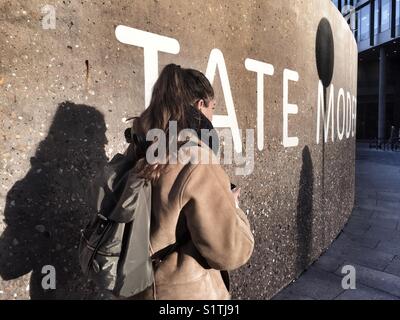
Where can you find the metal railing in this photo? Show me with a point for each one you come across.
(385, 144)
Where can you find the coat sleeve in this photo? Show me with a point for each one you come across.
(219, 230)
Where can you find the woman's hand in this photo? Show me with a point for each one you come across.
(236, 195)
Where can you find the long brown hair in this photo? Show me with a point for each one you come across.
(174, 93)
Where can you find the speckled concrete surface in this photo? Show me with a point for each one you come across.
(65, 93)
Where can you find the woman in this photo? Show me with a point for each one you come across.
(197, 228)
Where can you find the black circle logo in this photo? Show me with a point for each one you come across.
(325, 52)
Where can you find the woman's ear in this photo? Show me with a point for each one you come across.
(200, 104)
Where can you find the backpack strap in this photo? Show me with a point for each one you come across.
(162, 254)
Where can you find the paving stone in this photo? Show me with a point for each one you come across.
(388, 196)
(329, 263)
(362, 240)
(365, 293)
(383, 281)
(382, 233)
(355, 254)
(394, 267)
(363, 189)
(356, 220)
(362, 213)
(392, 247)
(365, 202)
(317, 284)
(383, 222)
(361, 193)
(376, 207)
(357, 226)
(388, 205)
(386, 215)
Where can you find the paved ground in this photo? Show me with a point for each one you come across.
(370, 241)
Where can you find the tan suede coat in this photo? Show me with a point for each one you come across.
(193, 207)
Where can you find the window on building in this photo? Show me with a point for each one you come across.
(385, 15)
(354, 23)
(397, 12)
(376, 20)
(364, 22)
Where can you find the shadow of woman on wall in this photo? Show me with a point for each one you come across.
(45, 210)
(304, 216)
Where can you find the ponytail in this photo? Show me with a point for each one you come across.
(174, 93)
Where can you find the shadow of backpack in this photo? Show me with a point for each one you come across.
(114, 250)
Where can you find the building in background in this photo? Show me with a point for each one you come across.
(376, 27)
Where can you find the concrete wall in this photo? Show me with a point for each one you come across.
(65, 93)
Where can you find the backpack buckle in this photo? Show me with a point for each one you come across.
(102, 217)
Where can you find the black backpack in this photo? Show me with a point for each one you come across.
(114, 248)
